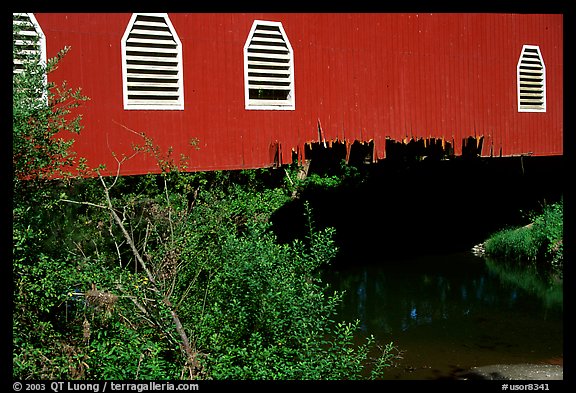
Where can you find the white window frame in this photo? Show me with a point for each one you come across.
(269, 104)
(128, 103)
(40, 34)
(522, 106)
(42, 48)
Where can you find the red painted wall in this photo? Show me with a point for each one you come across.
(364, 76)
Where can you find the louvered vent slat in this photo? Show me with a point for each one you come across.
(152, 64)
(269, 70)
(531, 80)
(27, 41)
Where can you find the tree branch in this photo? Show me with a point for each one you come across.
(191, 353)
(84, 203)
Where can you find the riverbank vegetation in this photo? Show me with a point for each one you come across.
(168, 276)
(538, 245)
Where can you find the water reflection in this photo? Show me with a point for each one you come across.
(549, 290)
(449, 290)
(451, 312)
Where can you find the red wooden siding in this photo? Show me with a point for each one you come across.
(363, 76)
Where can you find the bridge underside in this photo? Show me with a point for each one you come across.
(364, 152)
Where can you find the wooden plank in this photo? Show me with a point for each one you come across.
(524, 71)
(256, 64)
(265, 71)
(151, 67)
(258, 32)
(153, 59)
(158, 93)
(254, 55)
(137, 41)
(269, 87)
(152, 76)
(255, 47)
(259, 79)
(531, 92)
(134, 102)
(155, 33)
(146, 49)
(268, 39)
(532, 83)
(140, 23)
(152, 84)
(270, 102)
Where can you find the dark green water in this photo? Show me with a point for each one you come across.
(447, 313)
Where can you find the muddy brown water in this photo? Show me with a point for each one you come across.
(447, 313)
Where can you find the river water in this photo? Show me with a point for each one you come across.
(448, 312)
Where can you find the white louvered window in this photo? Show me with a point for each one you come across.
(152, 64)
(268, 68)
(28, 40)
(531, 80)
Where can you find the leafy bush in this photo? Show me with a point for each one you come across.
(334, 177)
(539, 243)
(259, 310)
(253, 308)
(549, 227)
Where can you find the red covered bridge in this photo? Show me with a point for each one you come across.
(256, 90)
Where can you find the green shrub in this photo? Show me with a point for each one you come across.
(259, 310)
(549, 226)
(253, 308)
(539, 243)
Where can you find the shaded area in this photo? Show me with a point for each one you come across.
(404, 207)
(405, 228)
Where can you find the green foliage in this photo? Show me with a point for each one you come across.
(518, 244)
(42, 121)
(118, 352)
(539, 243)
(326, 178)
(261, 311)
(254, 309)
(42, 272)
(549, 226)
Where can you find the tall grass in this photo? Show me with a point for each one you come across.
(538, 244)
(515, 244)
